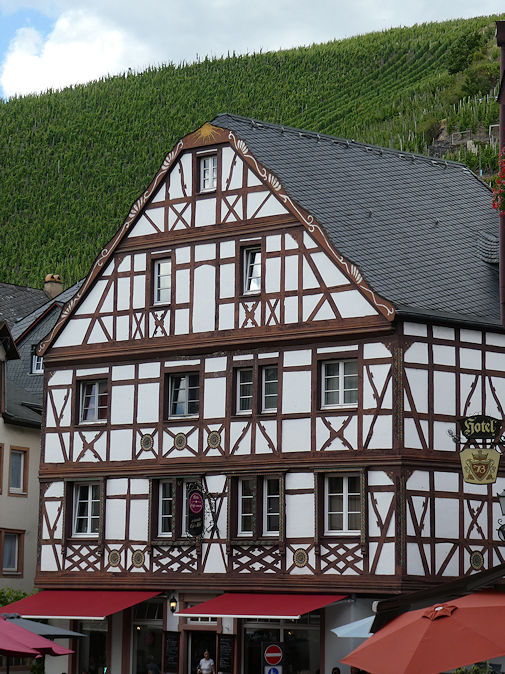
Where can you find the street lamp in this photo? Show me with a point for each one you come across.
(172, 602)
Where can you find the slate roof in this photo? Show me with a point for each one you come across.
(23, 397)
(18, 301)
(411, 224)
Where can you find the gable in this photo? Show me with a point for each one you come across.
(204, 233)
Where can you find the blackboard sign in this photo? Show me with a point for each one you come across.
(171, 652)
(225, 646)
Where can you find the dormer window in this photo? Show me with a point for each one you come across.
(208, 173)
(37, 363)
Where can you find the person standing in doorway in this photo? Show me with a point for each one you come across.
(206, 665)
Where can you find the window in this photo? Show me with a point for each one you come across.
(248, 393)
(93, 401)
(18, 471)
(86, 518)
(339, 379)
(11, 551)
(244, 390)
(252, 270)
(162, 271)
(170, 513)
(166, 508)
(184, 394)
(258, 506)
(342, 499)
(269, 382)
(37, 362)
(271, 506)
(208, 173)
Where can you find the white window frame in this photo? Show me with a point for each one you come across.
(240, 509)
(208, 172)
(185, 403)
(171, 499)
(341, 383)
(15, 568)
(264, 394)
(88, 533)
(162, 293)
(240, 373)
(251, 265)
(37, 364)
(345, 504)
(15, 489)
(268, 498)
(95, 396)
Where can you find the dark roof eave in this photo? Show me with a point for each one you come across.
(421, 314)
(15, 420)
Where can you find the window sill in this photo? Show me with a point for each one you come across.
(343, 406)
(335, 535)
(262, 540)
(8, 572)
(174, 542)
(94, 422)
(250, 293)
(160, 305)
(23, 494)
(208, 190)
(84, 538)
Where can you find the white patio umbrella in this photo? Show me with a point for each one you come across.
(358, 629)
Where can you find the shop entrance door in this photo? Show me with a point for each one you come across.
(199, 642)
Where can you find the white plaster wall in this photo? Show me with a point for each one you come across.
(296, 392)
(204, 306)
(296, 435)
(300, 516)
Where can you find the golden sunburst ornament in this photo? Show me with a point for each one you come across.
(207, 133)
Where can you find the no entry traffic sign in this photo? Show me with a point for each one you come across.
(273, 654)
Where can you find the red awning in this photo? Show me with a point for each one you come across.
(287, 606)
(77, 604)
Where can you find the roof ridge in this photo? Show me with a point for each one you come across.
(259, 124)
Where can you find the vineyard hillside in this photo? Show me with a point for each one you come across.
(73, 161)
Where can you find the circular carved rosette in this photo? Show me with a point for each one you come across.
(300, 557)
(114, 558)
(138, 558)
(476, 560)
(214, 439)
(180, 441)
(147, 442)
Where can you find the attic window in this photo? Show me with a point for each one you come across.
(37, 363)
(208, 172)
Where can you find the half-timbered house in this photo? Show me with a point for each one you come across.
(287, 325)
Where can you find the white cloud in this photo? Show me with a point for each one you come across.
(81, 47)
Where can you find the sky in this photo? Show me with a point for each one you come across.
(51, 44)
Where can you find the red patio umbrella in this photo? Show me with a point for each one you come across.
(18, 642)
(435, 639)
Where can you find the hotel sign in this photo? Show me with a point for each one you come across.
(480, 427)
(480, 463)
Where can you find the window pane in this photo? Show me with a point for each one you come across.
(335, 484)
(335, 522)
(184, 394)
(246, 523)
(273, 523)
(245, 388)
(353, 484)
(247, 487)
(16, 470)
(10, 553)
(354, 521)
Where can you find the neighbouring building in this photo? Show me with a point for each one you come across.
(285, 328)
(30, 316)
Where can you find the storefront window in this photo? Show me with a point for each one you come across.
(92, 651)
(299, 638)
(147, 635)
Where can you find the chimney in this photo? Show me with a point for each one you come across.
(53, 285)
